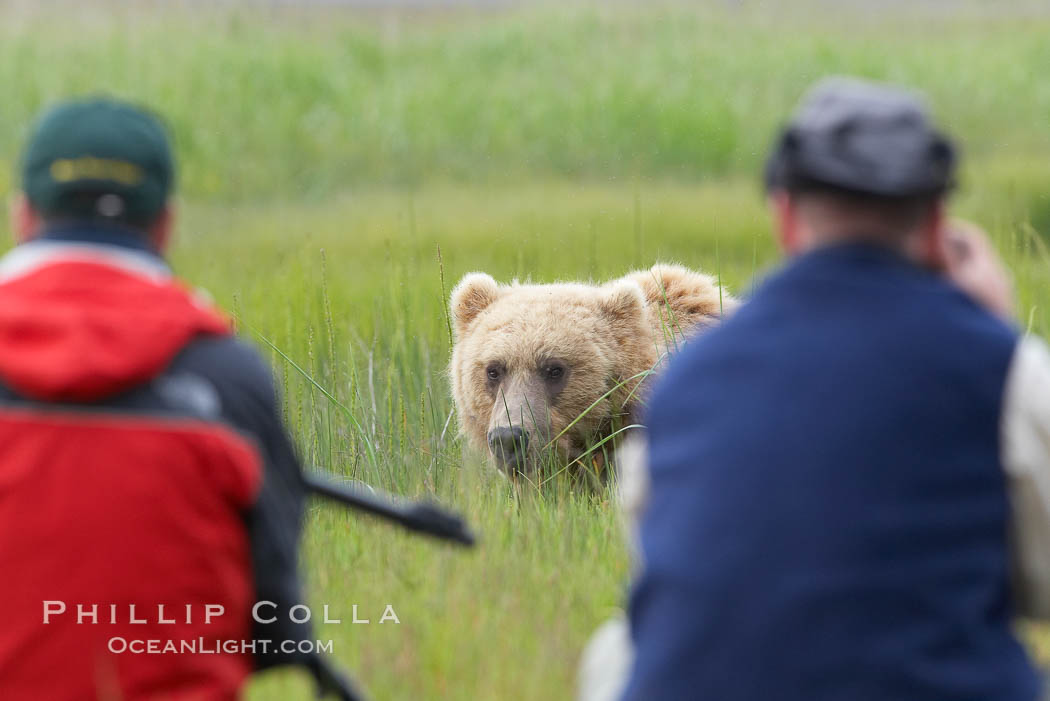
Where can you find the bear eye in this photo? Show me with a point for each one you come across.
(493, 372)
(554, 372)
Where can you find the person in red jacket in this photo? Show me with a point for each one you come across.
(149, 494)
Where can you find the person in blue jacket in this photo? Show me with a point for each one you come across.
(850, 478)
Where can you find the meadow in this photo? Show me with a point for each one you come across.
(341, 170)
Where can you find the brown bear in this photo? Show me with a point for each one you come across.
(538, 367)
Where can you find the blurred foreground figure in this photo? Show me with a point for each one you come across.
(850, 479)
(149, 495)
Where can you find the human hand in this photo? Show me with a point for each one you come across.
(971, 262)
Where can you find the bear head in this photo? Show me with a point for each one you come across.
(542, 370)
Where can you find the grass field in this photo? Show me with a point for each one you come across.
(328, 157)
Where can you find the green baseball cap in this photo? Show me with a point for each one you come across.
(98, 158)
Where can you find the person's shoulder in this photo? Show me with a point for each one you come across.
(227, 361)
(749, 317)
(692, 360)
(734, 328)
(965, 316)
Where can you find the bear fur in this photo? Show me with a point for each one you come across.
(530, 360)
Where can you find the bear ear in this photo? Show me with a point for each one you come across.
(684, 297)
(622, 301)
(474, 293)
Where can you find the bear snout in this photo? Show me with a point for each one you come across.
(509, 445)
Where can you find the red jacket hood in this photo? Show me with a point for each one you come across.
(81, 322)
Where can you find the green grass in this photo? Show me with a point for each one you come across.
(268, 102)
(508, 621)
(326, 157)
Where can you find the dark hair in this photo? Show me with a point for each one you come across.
(892, 216)
(83, 208)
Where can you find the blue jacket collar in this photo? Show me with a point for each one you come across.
(858, 253)
(859, 249)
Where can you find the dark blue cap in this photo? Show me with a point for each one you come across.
(863, 138)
